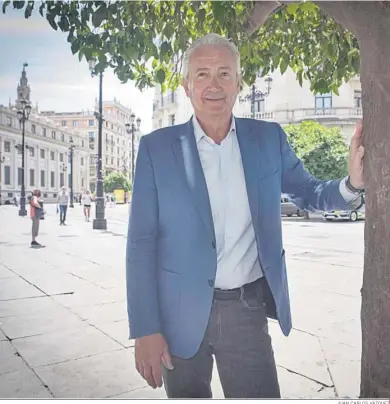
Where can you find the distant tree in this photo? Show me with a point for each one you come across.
(322, 150)
(116, 181)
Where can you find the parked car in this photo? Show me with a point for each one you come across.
(288, 208)
(352, 215)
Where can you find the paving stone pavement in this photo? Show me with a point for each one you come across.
(63, 322)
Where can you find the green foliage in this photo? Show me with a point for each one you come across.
(322, 150)
(145, 40)
(116, 181)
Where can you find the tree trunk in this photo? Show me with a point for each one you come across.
(370, 22)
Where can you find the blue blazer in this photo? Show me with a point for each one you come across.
(171, 257)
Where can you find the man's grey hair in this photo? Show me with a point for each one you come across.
(211, 39)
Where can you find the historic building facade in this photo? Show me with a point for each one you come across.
(117, 145)
(283, 101)
(47, 153)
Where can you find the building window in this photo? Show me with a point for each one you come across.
(74, 123)
(107, 123)
(112, 161)
(82, 182)
(62, 137)
(160, 123)
(91, 135)
(112, 150)
(82, 143)
(323, 101)
(32, 152)
(91, 122)
(112, 126)
(20, 176)
(32, 179)
(117, 150)
(42, 153)
(42, 178)
(61, 157)
(7, 147)
(52, 156)
(106, 148)
(358, 98)
(7, 175)
(82, 161)
(53, 134)
(52, 182)
(106, 160)
(63, 123)
(33, 128)
(172, 96)
(259, 106)
(117, 162)
(70, 139)
(61, 180)
(44, 132)
(9, 121)
(172, 119)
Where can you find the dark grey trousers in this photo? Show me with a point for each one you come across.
(237, 336)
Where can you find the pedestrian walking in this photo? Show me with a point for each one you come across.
(205, 259)
(62, 204)
(36, 213)
(87, 202)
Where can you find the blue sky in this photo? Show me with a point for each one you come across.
(57, 79)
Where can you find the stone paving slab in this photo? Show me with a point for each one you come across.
(6, 273)
(64, 345)
(22, 384)
(89, 295)
(344, 364)
(10, 361)
(24, 307)
(2, 336)
(300, 352)
(101, 313)
(118, 330)
(98, 376)
(17, 288)
(40, 323)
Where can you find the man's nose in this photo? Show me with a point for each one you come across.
(215, 82)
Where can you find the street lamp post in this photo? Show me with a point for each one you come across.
(2, 159)
(23, 115)
(130, 128)
(99, 223)
(257, 94)
(71, 150)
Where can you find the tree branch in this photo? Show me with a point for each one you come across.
(259, 15)
(353, 14)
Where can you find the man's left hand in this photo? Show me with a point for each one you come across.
(356, 155)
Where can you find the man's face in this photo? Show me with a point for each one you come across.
(212, 83)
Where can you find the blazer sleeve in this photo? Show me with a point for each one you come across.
(141, 274)
(307, 192)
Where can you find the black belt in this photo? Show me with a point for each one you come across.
(238, 293)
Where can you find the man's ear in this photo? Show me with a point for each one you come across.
(185, 85)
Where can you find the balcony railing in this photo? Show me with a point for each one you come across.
(318, 114)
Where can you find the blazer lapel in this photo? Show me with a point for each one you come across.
(188, 160)
(250, 155)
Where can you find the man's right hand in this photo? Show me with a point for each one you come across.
(150, 352)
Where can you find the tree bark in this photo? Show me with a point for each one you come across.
(370, 22)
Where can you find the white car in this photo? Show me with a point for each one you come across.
(352, 215)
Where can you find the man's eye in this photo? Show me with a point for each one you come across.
(225, 74)
(200, 75)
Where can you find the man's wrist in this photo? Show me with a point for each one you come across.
(351, 188)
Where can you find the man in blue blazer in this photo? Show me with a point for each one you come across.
(205, 259)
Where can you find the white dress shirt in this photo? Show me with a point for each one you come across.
(237, 254)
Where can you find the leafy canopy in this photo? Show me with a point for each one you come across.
(322, 150)
(144, 40)
(115, 181)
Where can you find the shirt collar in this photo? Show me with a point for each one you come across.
(199, 132)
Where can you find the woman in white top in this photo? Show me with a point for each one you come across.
(87, 201)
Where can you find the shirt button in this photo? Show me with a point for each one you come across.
(211, 282)
(213, 245)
